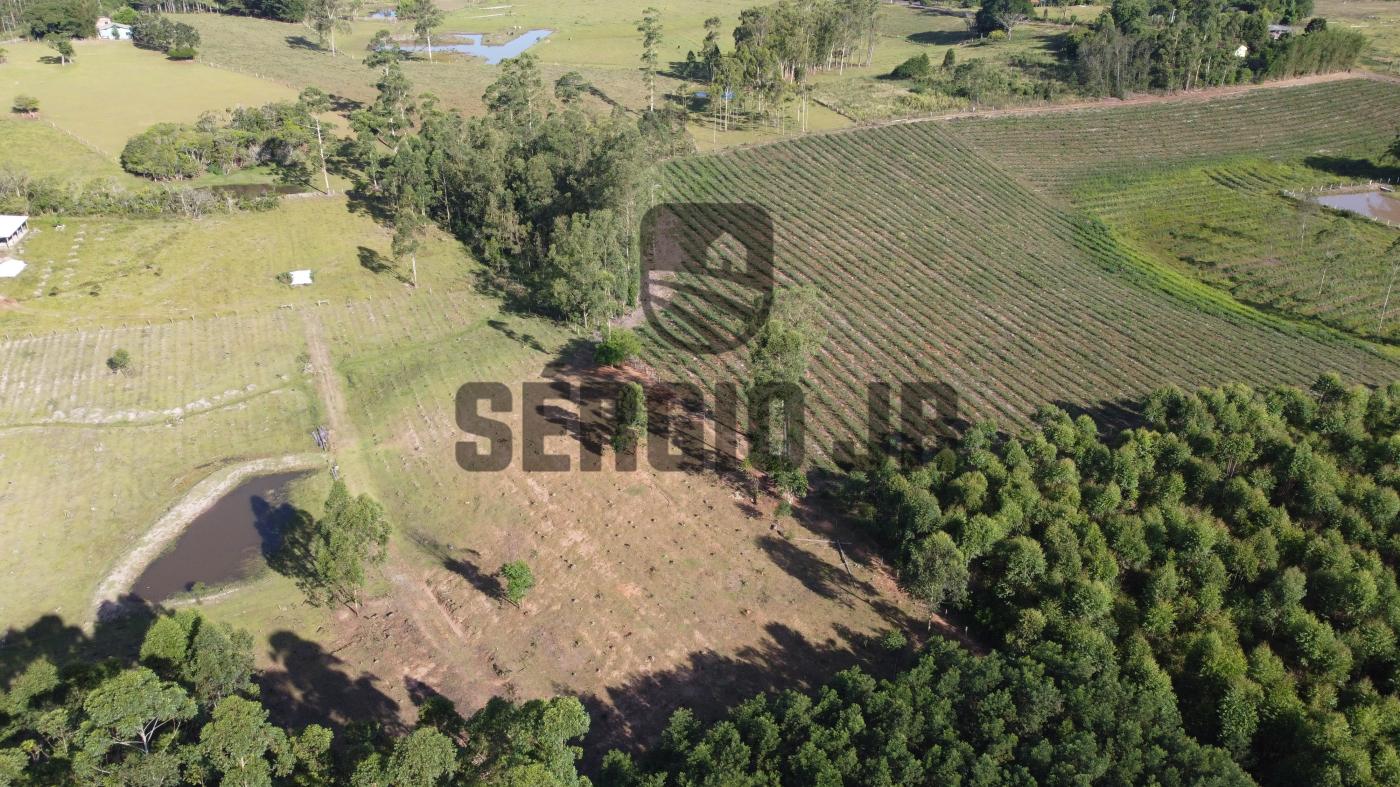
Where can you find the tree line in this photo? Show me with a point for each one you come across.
(544, 192)
(776, 48)
(1180, 46)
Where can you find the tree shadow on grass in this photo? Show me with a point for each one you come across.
(376, 263)
(1351, 167)
(459, 562)
(940, 37)
(307, 685)
(120, 628)
(302, 42)
(631, 715)
(524, 338)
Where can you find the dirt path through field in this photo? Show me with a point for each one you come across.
(169, 527)
(439, 637)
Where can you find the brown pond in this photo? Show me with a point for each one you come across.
(227, 543)
(1375, 204)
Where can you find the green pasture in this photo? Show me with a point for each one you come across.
(35, 147)
(114, 90)
(103, 269)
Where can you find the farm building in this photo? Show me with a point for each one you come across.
(300, 278)
(1279, 31)
(12, 228)
(113, 31)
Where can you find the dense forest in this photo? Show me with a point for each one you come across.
(1207, 598)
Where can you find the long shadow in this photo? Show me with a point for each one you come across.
(524, 338)
(940, 37)
(487, 584)
(287, 542)
(631, 715)
(1350, 167)
(115, 636)
(307, 685)
(376, 263)
(820, 577)
(302, 42)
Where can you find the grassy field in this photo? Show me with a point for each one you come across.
(100, 270)
(42, 150)
(114, 90)
(91, 458)
(1001, 292)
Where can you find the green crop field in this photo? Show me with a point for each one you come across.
(114, 90)
(1235, 226)
(934, 264)
(1200, 186)
(1099, 149)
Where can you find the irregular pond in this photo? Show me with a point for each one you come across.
(1375, 204)
(227, 543)
(472, 45)
(254, 190)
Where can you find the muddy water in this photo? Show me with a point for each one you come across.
(224, 544)
(1376, 204)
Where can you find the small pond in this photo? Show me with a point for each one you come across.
(255, 190)
(1374, 204)
(226, 543)
(471, 44)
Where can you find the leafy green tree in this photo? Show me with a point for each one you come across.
(1003, 15)
(242, 746)
(65, 18)
(425, 16)
(936, 572)
(423, 758)
(25, 105)
(61, 44)
(352, 535)
(328, 17)
(130, 710)
(518, 580)
(631, 417)
(119, 361)
(618, 347)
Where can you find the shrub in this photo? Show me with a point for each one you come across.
(120, 361)
(181, 53)
(168, 151)
(125, 15)
(893, 640)
(631, 417)
(23, 104)
(915, 67)
(619, 347)
(519, 579)
(996, 35)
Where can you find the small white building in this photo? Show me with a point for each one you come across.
(12, 228)
(300, 278)
(112, 31)
(11, 268)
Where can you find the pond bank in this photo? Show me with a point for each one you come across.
(106, 601)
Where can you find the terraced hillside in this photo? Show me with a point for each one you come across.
(933, 263)
(1067, 151)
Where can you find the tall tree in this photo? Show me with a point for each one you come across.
(425, 16)
(315, 102)
(328, 17)
(650, 28)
